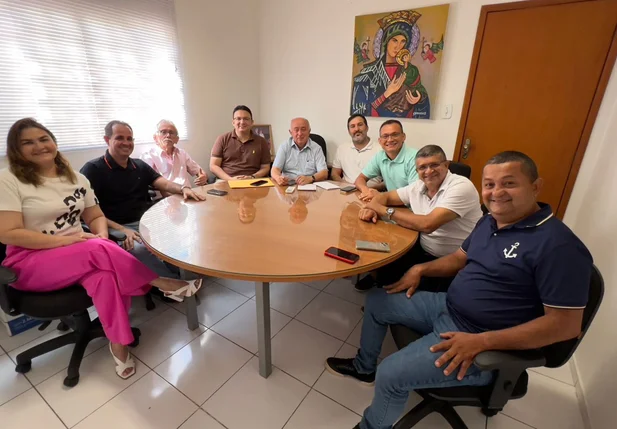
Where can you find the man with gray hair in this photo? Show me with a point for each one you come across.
(443, 207)
(171, 162)
(299, 159)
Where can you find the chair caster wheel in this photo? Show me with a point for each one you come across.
(23, 368)
(150, 305)
(489, 413)
(62, 327)
(71, 381)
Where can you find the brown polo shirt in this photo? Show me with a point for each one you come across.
(241, 159)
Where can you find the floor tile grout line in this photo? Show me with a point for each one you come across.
(214, 418)
(226, 381)
(517, 420)
(50, 407)
(296, 409)
(552, 378)
(334, 400)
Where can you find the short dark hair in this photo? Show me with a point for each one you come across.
(242, 107)
(431, 150)
(391, 122)
(109, 128)
(354, 116)
(528, 166)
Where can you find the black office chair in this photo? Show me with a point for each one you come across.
(460, 169)
(69, 305)
(321, 142)
(510, 379)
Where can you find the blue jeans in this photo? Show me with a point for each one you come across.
(412, 367)
(141, 252)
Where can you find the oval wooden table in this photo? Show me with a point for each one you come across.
(264, 235)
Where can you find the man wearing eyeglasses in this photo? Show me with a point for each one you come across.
(443, 207)
(395, 163)
(240, 154)
(171, 162)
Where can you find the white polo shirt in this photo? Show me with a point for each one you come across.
(457, 194)
(352, 160)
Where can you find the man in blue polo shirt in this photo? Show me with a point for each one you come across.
(299, 159)
(396, 163)
(522, 281)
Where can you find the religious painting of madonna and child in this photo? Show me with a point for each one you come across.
(396, 62)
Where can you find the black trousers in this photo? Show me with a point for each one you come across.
(393, 272)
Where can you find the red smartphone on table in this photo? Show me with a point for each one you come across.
(342, 255)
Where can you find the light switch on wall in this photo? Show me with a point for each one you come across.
(446, 112)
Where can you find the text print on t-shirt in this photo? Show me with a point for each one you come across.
(72, 215)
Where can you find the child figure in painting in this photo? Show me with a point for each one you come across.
(412, 91)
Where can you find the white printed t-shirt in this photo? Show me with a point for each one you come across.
(54, 208)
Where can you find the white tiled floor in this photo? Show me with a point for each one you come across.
(208, 378)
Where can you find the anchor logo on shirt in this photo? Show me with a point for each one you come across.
(509, 253)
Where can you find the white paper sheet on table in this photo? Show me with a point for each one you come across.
(307, 187)
(327, 185)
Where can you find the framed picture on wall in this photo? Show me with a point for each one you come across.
(265, 131)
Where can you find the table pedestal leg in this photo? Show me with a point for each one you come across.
(192, 321)
(262, 294)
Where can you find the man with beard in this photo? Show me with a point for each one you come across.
(351, 159)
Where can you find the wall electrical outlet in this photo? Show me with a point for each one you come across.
(446, 112)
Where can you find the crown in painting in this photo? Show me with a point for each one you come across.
(407, 16)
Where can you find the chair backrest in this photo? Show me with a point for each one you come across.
(460, 169)
(559, 353)
(321, 142)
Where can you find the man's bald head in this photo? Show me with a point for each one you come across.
(300, 131)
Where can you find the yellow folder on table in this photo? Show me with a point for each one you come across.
(246, 183)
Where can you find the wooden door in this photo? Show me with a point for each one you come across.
(536, 82)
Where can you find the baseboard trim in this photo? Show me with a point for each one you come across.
(580, 395)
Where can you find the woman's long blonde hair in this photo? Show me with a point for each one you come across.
(25, 170)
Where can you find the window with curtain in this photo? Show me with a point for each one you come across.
(74, 65)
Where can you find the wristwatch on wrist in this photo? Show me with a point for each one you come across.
(185, 186)
(390, 211)
(253, 176)
(313, 177)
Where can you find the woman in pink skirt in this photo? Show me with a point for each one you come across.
(42, 202)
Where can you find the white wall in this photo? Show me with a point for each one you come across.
(307, 59)
(219, 48)
(592, 215)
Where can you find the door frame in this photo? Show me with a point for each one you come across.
(595, 104)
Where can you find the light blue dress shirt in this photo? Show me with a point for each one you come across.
(294, 162)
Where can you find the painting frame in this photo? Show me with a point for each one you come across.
(397, 61)
(265, 131)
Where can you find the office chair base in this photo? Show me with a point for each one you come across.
(62, 327)
(489, 413)
(426, 407)
(23, 367)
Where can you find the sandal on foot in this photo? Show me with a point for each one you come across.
(123, 366)
(189, 290)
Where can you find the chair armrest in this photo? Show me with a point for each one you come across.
(116, 235)
(508, 367)
(7, 276)
(498, 360)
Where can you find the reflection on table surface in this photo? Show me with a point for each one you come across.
(266, 234)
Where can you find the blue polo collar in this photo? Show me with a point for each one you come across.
(535, 220)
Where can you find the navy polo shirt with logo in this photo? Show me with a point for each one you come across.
(122, 192)
(513, 272)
